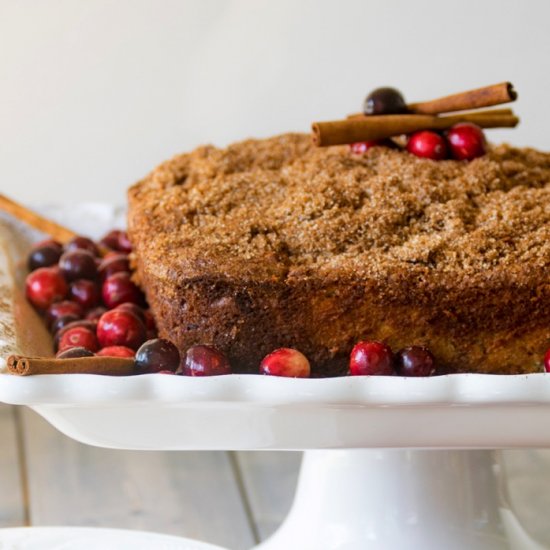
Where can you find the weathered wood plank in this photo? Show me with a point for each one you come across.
(192, 494)
(12, 508)
(269, 482)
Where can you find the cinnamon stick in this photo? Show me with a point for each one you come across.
(112, 366)
(369, 128)
(482, 112)
(487, 96)
(56, 231)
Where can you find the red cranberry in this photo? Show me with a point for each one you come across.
(124, 244)
(547, 361)
(59, 309)
(78, 337)
(120, 328)
(116, 351)
(74, 353)
(415, 361)
(43, 256)
(384, 101)
(78, 264)
(110, 240)
(371, 358)
(45, 286)
(49, 242)
(112, 264)
(205, 361)
(80, 323)
(62, 321)
(467, 141)
(157, 355)
(96, 313)
(363, 146)
(85, 292)
(285, 362)
(82, 243)
(119, 288)
(135, 309)
(427, 144)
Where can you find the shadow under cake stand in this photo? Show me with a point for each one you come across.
(389, 462)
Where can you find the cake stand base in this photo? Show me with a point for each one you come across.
(395, 499)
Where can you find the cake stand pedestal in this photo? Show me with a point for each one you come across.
(399, 499)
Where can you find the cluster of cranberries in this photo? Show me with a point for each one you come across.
(464, 141)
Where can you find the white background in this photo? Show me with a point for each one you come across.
(95, 93)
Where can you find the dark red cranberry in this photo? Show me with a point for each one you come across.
(362, 147)
(78, 264)
(466, 141)
(96, 313)
(119, 288)
(62, 321)
(135, 309)
(44, 256)
(85, 292)
(78, 337)
(45, 286)
(427, 144)
(74, 353)
(49, 242)
(116, 351)
(415, 361)
(124, 244)
(157, 355)
(110, 240)
(371, 358)
(112, 264)
(547, 361)
(384, 101)
(285, 362)
(81, 323)
(205, 361)
(82, 243)
(59, 309)
(120, 328)
(150, 323)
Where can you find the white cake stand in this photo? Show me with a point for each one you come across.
(351, 494)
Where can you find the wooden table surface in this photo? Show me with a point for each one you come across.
(231, 499)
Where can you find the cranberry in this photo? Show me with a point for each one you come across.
(124, 244)
(415, 361)
(363, 146)
(85, 292)
(157, 355)
(81, 323)
(43, 256)
(116, 351)
(135, 309)
(371, 358)
(547, 361)
(120, 328)
(285, 362)
(384, 101)
(150, 323)
(62, 321)
(78, 264)
(427, 144)
(467, 141)
(110, 240)
(78, 337)
(74, 353)
(112, 264)
(49, 242)
(45, 286)
(205, 361)
(59, 309)
(96, 313)
(119, 288)
(82, 243)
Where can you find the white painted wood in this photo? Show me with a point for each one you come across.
(192, 494)
(269, 482)
(12, 502)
